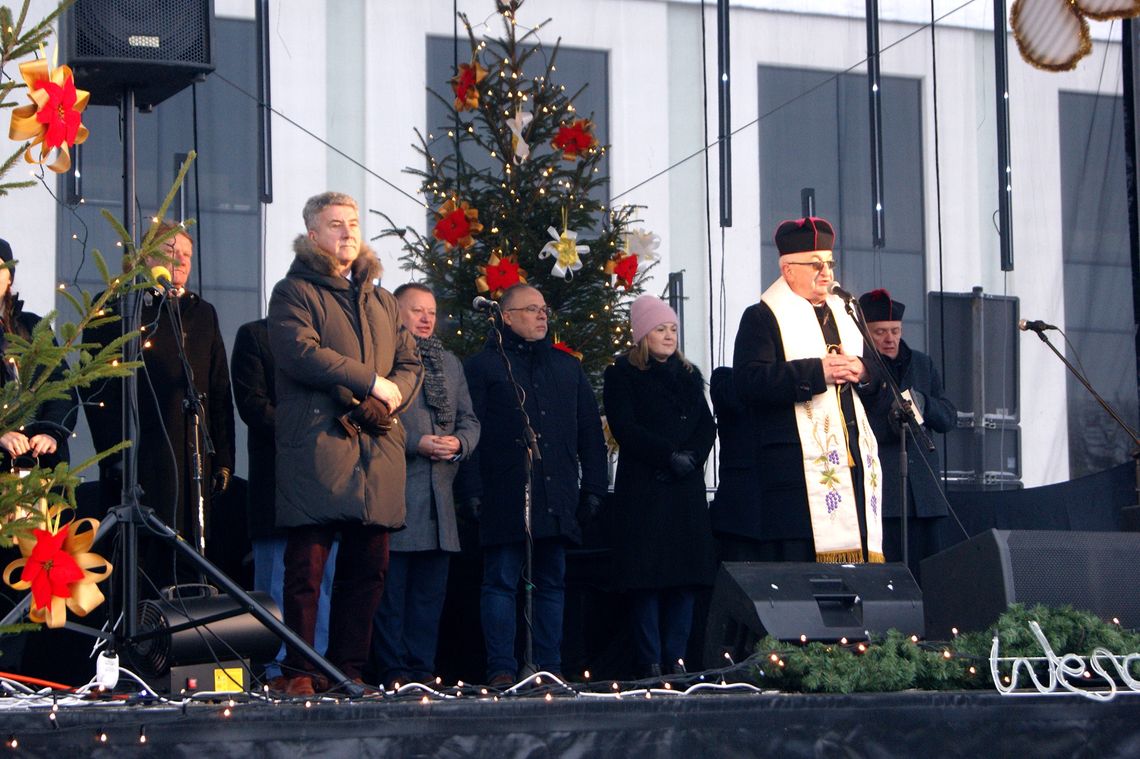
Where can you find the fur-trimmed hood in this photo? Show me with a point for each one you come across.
(366, 267)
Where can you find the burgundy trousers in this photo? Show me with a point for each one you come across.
(358, 583)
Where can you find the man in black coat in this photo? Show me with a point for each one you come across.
(178, 322)
(797, 366)
(735, 510)
(252, 367)
(914, 371)
(563, 412)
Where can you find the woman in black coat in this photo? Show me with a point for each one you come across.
(43, 440)
(656, 408)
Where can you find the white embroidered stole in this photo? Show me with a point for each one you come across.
(819, 422)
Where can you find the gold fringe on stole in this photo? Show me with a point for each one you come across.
(878, 558)
(849, 556)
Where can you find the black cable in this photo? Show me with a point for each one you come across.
(708, 185)
(197, 185)
(321, 140)
(938, 219)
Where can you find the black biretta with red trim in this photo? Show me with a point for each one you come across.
(805, 235)
(877, 306)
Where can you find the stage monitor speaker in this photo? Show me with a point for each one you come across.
(153, 47)
(202, 630)
(969, 585)
(825, 602)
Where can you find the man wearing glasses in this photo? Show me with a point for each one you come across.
(570, 478)
(798, 367)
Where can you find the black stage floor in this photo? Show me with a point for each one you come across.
(908, 724)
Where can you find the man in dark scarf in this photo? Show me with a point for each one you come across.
(441, 430)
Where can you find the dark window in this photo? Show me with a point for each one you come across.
(1098, 278)
(227, 236)
(814, 133)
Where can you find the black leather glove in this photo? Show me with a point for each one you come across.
(221, 480)
(589, 506)
(371, 417)
(682, 463)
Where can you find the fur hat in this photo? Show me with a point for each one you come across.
(646, 313)
(805, 235)
(877, 306)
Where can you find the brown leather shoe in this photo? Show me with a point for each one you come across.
(299, 687)
(501, 681)
(369, 690)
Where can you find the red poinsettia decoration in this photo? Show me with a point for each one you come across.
(622, 269)
(54, 119)
(562, 346)
(457, 225)
(499, 274)
(465, 84)
(57, 565)
(50, 569)
(574, 139)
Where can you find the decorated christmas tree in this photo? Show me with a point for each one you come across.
(515, 187)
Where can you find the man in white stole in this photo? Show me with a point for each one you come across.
(797, 366)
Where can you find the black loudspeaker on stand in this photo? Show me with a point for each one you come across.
(153, 47)
(824, 602)
(971, 584)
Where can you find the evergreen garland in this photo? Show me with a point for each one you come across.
(898, 662)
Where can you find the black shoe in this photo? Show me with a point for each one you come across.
(651, 672)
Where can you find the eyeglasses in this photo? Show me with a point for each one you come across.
(533, 310)
(816, 265)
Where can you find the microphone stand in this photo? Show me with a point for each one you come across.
(1100, 400)
(532, 455)
(198, 433)
(903, 410)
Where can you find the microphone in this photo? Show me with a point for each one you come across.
(1034, 325)
(484, 304)
(162, 276)
(836, 289)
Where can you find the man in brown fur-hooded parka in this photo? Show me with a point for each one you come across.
(344, 369)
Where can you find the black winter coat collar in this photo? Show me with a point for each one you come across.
(512, 342)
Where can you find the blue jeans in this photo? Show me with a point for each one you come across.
(269, 577)
(662, 621)
(502, 570)
(405, 630)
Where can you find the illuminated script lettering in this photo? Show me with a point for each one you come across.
(1066, 674)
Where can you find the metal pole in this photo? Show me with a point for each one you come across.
(1130, 38)
(878, 229)
(129, 492)
(1005, 175)
(724, 104)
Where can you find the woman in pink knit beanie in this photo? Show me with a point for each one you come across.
(656, 408)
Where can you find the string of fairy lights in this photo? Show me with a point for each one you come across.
(745, 679)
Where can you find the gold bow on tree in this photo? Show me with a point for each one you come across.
(54, 118)
(59, 568)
